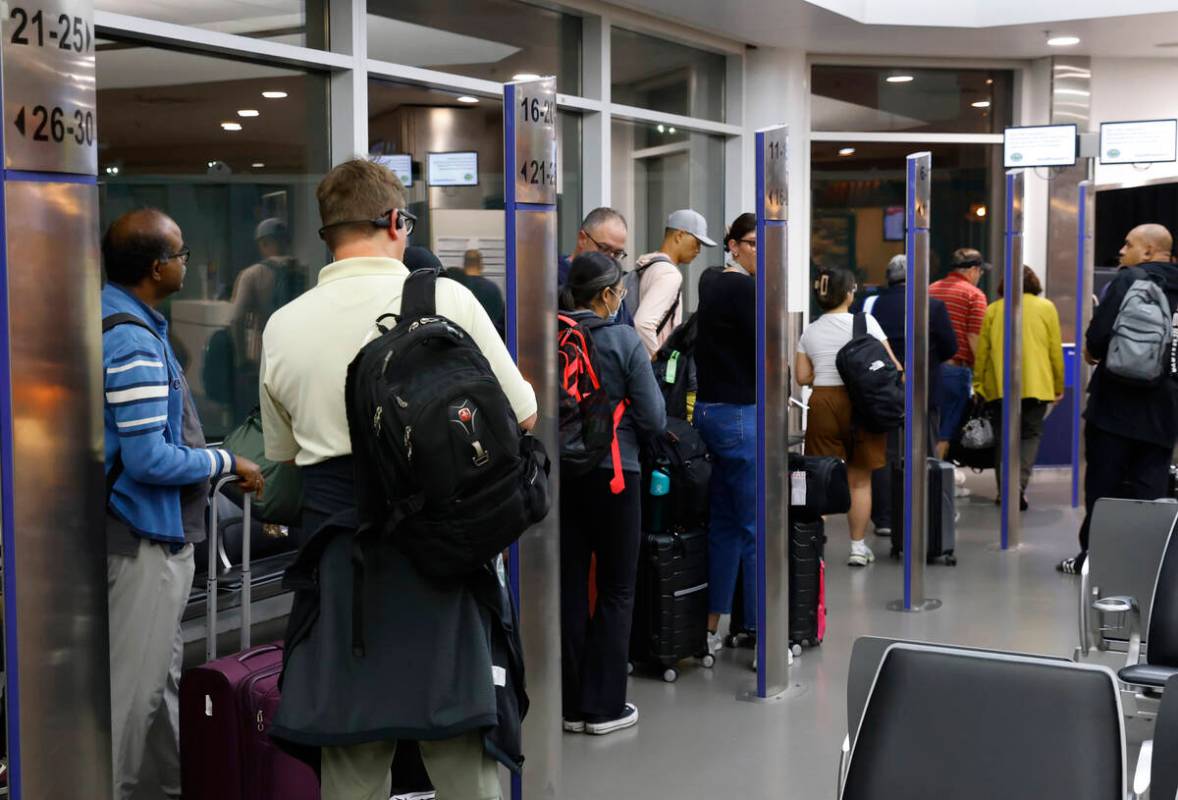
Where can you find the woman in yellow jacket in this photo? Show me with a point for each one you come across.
(1042, 370)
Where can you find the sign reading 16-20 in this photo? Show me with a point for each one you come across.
(535, 147)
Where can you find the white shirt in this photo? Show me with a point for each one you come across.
(659, 291)
(309, 343)
(823, 339)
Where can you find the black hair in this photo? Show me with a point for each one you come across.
(832, 286)
(590, 274)
(741, 227)
(129, 254)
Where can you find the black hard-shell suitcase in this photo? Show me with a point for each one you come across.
(942, 512)
(671, 601)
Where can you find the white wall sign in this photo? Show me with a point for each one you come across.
(400, 165)
(1140, 142)
(454, 169)
(1040, 146)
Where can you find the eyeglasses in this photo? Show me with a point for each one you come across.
(749, 242)
(617, 255)
(385, 220)
(620, 294)
(182, 254)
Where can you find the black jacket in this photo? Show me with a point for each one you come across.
(1146, 414)
(889, 312)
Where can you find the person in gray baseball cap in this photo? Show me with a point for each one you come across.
(658, 307)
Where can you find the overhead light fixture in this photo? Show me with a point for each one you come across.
(979, 211)
(847, 151)
(257, 165)
(989, 81)
(670, 130)
(466, 98)
(112, 170)
(274, 95)
(526, 76)
(662, 128)
(900, 78)
(248, 112)
(1062, 41)
(231, 126)
(981, 104)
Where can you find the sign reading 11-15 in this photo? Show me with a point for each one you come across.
(49, 89)
(535, 142)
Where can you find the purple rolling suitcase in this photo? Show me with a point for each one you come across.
(226, 707)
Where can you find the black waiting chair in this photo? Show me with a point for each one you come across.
(943, 722)
(1157, 765)
(1147, 676)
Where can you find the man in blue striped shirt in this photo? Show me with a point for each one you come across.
(149, 461)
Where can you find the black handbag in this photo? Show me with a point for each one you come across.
(973, 457)
(818, 485)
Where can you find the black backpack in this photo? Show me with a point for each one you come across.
(588, 418)
(674, 367)
(682, 454)
(441, 465)
(872, 380)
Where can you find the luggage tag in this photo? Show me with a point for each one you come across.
(797, 488)
(672, 367)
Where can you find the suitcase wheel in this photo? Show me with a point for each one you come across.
(629, 667)
(796, 649)
(670, 675)
(950, 560)
(708, 661)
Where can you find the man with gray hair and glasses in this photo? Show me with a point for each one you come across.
(603, 231)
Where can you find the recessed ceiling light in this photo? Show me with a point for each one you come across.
(248, 112)
(670, 130)
(468, 99)
(1062, 41)
(526, 76)
(989, 81)
(900, 79)
(274, 95)
(231, 126)
(847, 151)
(257, 165)
(981, 104)
(662, 128)
(980, 211)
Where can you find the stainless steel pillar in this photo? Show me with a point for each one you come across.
(773, 392)
(1080, 370)
(1012, 359)
(530, 170)
(57, 682)
(916, 443)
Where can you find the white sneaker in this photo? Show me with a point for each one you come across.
(958, 476)
(573, 725)
(715, 643)
(861, 555)
(963, 491)
(628, 719)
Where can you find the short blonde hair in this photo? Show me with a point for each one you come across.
(356, 190)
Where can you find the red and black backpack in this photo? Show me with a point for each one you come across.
(588, 418)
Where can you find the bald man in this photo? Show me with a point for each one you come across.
(1131, 429)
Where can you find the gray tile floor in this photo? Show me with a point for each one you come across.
(695, 740)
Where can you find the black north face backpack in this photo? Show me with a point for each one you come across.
(872, 380)
(441, 465)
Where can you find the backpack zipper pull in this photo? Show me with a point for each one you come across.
(408, 442)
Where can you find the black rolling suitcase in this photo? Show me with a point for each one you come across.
(942, 512)
(671, 601)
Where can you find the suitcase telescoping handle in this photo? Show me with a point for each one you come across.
(211, 581)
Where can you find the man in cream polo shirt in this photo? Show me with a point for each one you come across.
(328, 701)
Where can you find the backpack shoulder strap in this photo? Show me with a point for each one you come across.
(125, 318)
(859, 326)
(417, 298)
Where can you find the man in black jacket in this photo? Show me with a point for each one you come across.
(1131, 429)
(888, 307)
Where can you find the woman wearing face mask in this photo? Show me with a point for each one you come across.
(594, 519)
(726, 417)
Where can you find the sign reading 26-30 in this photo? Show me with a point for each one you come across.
(49, 89)
(535, 142)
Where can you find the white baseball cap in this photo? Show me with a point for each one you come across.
(691, 222)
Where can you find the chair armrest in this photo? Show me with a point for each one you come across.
(1141, 776)
(1085, 647)
(1120, 604)
(844, 754)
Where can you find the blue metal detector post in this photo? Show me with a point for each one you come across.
(916, 429)
(1084, 256)
(530, 172)
(773, 384)
(1012, 359)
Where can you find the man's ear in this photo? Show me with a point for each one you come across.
(157, 270)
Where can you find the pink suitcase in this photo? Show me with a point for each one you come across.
(226, 707)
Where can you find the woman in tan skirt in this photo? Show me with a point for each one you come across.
(829, 431)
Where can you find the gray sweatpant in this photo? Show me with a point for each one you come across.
(147, 594)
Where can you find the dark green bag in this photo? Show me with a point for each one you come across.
(282, 500)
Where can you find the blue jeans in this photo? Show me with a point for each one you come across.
(956, 384)
(730, 432)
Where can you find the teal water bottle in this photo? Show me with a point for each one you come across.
(660, 489)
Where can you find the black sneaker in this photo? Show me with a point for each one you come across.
(600, 727)
(1072, 566)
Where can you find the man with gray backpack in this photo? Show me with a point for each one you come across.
(1132, 414)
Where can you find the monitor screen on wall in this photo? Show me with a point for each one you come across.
(399, 165)
(1040, 146)
(454, 169)
(893, 224)
(1149, 141)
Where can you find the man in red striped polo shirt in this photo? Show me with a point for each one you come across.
(967, 306)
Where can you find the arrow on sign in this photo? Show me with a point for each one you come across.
(20, 121)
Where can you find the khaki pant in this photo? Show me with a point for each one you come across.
(458, 768)
(147, 595)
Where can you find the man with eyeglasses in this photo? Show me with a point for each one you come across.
(419, 674)
(157, 485)
(603, 231)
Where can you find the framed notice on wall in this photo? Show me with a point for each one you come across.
(453, 169)
(399, 165)
(1149, 141)
(1040, 146)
